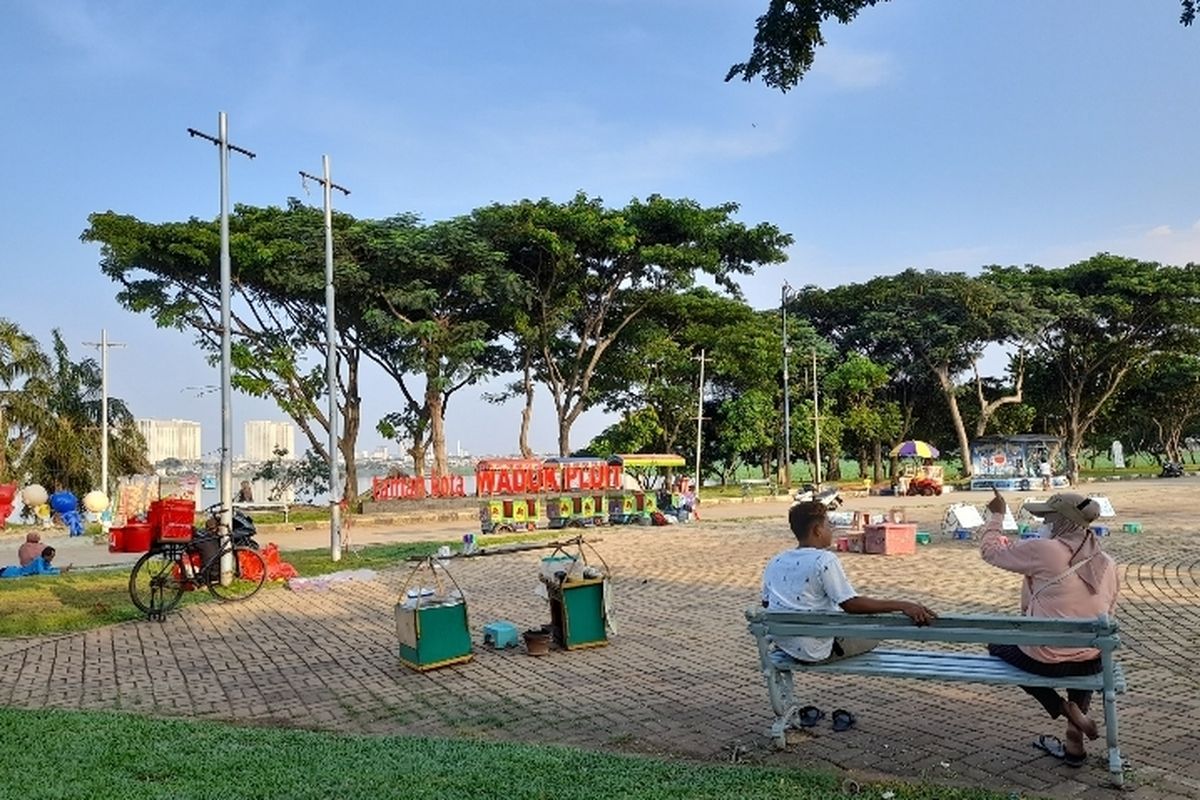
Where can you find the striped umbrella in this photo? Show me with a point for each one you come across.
(915, 448)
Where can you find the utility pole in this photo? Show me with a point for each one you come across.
(103, 345)
(221, 140)
(787, 394)
(699, 422)
(335, 527)
(816, 420)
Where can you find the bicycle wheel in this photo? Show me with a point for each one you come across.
(249, 574)
(155, 585)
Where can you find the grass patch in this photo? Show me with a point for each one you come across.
(57, 754)
(84, 599)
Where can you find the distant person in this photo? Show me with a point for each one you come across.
(1046, 471)
(810, 578)
(32, 548)
(38, 566)
(245, 494)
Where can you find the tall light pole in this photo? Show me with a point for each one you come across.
(104, 344)
(787, 394)
(699, 422)
(816, 419)
(335, 529)
(221, 140)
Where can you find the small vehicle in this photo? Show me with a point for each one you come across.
(926, 480)
(830, 498)
(1171, 469)
(243, 532)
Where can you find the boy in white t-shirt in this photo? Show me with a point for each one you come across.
(811, 578)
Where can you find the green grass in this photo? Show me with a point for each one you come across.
(85, 599)
(58, 754)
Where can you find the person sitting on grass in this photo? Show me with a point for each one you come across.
(32, 548)
(38, 566)
(811, 578)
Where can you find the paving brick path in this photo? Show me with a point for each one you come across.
(680, 678)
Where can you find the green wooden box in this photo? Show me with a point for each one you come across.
(577, 613)
(433, 635)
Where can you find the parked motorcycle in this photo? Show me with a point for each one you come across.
(243, 529)
(830, 498)
(1171, 469)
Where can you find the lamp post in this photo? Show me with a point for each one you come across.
(787, 393)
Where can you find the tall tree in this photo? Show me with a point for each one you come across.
(932, 321)
(56, 413)
(789, 33)
(441, 293)
(589, 271)
(1107, 316)
(171, 271)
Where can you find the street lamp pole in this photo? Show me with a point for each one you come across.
(331, 372)
(787, 394)
(221, 140)
(104, 344)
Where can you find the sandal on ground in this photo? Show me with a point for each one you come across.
(1051, 745)
(843, 720)
(809, 716)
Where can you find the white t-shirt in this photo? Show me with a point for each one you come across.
(806, 579)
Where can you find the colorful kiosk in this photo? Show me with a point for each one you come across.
(1013, 463)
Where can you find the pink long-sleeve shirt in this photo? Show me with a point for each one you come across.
(1041, 561)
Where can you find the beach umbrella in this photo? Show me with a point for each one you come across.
(915, 448)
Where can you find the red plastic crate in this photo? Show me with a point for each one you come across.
(170, 517)
(135, 537)
(890, 539)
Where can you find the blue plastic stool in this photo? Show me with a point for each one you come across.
(962, 533)
(500, 634)
(1100, 530)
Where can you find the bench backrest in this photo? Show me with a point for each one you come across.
(1100, 632)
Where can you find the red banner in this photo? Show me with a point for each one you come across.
(417, 488)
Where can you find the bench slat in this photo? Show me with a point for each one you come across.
(936, 633)
(1102, 624)
(944, 666)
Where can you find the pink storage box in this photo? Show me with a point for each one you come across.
(890, 539)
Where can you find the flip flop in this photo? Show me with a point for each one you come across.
(809, 716)
(1051, 745)
(843, 720)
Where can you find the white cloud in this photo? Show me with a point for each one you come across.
(848, 69)
(1158, 231)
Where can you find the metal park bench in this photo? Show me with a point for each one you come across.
(278, 505)
(943, 665)
(750, 484)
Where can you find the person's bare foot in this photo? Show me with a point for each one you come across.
(1073, 750)
(1080, 720)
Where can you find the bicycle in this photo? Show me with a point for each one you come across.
(162, 575)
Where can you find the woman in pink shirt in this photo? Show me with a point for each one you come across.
(1067, 574)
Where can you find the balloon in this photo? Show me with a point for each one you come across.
(34, 494)
(95, 501)
(62, 502)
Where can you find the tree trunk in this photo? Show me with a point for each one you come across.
(437, 427)
(351, 420)
(878, 458)
(527, 411)
(948, 388)
(417, 451)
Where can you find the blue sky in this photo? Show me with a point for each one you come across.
(942, 135)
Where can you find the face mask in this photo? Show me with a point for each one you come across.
(1046, 531)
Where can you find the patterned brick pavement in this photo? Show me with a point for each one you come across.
(680, 678)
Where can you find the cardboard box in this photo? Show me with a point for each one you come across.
(890, 539)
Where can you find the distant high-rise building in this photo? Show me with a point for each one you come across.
(170, 438)
(264, 437)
